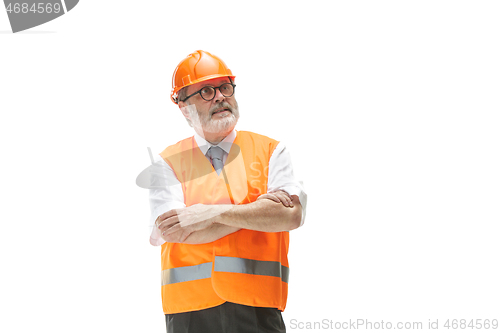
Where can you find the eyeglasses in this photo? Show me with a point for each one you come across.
(208, 92)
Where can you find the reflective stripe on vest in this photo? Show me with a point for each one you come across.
(187, 273)
(249, 266)
(225, 264)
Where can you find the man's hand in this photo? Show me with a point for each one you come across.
(179, 236)
(179, 223)
(278, 196)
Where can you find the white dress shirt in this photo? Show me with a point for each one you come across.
(168, 193)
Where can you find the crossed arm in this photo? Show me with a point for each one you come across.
(198, 224)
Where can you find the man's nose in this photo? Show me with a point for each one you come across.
(218, 96)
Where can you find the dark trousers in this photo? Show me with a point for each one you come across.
(227, 318)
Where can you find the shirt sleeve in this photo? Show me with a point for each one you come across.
(281, 177)
(165, 194)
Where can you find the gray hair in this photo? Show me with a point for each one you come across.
(181, 94)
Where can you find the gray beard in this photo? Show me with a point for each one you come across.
(209, 125)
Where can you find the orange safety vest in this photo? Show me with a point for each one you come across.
(246, 267)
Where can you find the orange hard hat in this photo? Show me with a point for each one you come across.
(197, 67)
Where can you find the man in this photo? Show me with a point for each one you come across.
(223, 216)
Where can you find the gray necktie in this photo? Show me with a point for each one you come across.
(215, 154)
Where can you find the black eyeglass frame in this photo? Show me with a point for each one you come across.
(215, 92)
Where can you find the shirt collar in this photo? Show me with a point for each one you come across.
(225, 144)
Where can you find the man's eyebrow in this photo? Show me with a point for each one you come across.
(213, 85)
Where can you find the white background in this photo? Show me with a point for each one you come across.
(390, 109)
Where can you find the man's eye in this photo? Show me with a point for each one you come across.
(206, 90)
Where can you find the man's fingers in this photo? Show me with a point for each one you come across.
(171, 230)
(278, 196)
(165, 224)
(285, 199)
(269, 196)
(282, 198)
(166, 215)
(283, 193)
